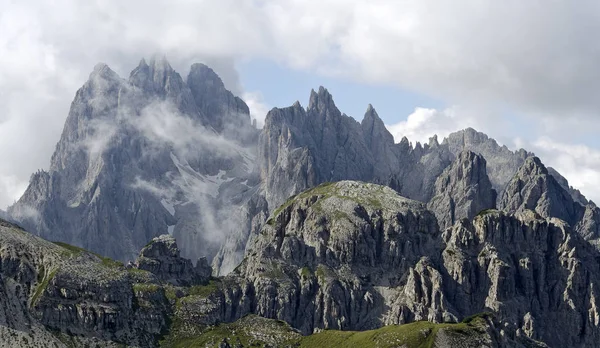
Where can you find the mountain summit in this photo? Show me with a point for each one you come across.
(317, 220)
(140, 158)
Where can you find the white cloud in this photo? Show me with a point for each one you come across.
(258, 108)
(578, 163)
(537, 57)
(423, 123)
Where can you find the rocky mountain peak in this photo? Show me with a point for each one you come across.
(502, 163)
(468, 137)
(92, 196)
(374, 129)
(104, 71)
(157, 77)
(102, 82)
(533, 188)
(462, 190)
(161, 257)
(433, 141)
(220, 109)
(201, 74)
(320, 101)
(532, 166)
(576, 194)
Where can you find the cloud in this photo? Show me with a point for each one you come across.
(423, 123)
(258, 108)
(537, 57)
(160, 123)
(580, 164)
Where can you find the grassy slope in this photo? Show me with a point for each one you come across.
(253, 331)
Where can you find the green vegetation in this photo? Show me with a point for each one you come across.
(274, 270)
(471, 318)
(328, 190)
(110, 263)
(144, 287)
(137, 272)
(171, 293)
(205, 290)
(322, 272)
(323, 189)
(253, 331)
(305, 272)
(43, 280)
(71, 250)
(250, 331)
(340, 215)
(487, 211)
(419, 334)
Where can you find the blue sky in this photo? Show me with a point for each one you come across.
(525, 73)
(282, 86)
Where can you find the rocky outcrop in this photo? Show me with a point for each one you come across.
(536, 274)
(356, 256)
(533, 188)
(161, 258)
(562, 181)
(322, 258)
(141, 157)
(157, 153)
(502, 163)
(462, 190)
(60, 295)
(346, 255)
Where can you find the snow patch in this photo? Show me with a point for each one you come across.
(192, 181)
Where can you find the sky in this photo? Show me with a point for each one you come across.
(525, 73)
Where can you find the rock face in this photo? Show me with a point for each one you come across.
(142, 157)
(501, 162)
(356, 256)
(161, 257)
(535, 189)
(157, 153)
(346, 255)
(535, 273)
(52, 294)
(301, 148)
(562, 181)
(333, 245)
(462, 190)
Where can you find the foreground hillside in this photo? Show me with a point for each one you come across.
(254, 331)
(56, 295)
(345, 256)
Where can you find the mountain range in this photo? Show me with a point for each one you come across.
(315, 220)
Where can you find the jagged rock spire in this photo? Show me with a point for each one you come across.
(321, 100)
(534, 189)
(462, 190)
(219, 107)
(374, 129)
